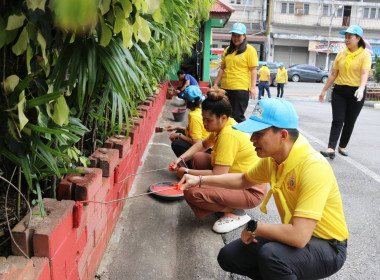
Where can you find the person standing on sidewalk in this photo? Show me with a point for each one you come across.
(281, 79)
(232, 152)
(187, 80)
(194, 132)
(238, 71)
(264, 80)
(311, 241)
(350, 74)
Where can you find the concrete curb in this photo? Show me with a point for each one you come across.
(374, 105)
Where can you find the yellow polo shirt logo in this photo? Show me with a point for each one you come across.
(291, 183)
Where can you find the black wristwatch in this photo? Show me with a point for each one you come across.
(251, 227)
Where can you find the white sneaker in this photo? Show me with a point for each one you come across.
(226, 224)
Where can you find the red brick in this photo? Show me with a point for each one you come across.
(41, 268)
(137, 121)
(134, 134)
(54, 229)
(96, 256)
(87, 186)
(74, 274)
(64, 258)
(6, 268)
(85, 254)
(24, 268)
(100, 228)
(119, 142)
(143, 108)
(107, 185)
(66, 188)
(105, 159)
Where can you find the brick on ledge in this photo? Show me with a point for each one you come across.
(120, 143)
(105, 159)
(88, 185)
(55, 228)
(16, 267)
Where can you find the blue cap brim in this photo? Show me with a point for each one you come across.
(250, 126)
(343, 32)
(237, 32)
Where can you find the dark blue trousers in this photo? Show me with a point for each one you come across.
(262, 86)
(273, 260)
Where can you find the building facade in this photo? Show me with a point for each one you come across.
(301, 31)
(308, 31)
(253, 14)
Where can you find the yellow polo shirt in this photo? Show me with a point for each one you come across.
(352, 76)
(233, 148)
(282, 76)
(264, 74)
(308, 186)
(195, 128)
(236, 75)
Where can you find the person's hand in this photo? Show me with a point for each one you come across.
(252, 93)
(174, 164)
(359, 93)
(173, 136)
(215, 86)
(170, 128)
(188, 181)
(322, 97)
(246, 237)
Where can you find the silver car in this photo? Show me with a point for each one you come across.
(306, 73)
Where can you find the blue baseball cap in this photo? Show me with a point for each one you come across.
(270, 112)
(238, 28)
(192, 92)
(353, 29)
(280, 64)
(264, 64)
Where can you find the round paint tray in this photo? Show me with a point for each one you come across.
(172, 194)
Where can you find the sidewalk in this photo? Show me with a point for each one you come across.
(156, 239)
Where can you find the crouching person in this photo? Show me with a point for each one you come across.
(311, 241)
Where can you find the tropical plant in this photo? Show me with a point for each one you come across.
(376, 74)
(71, 65)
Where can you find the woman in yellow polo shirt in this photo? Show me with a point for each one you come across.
(232, 152)
(350, 74)
(238, 71)
(194, 132)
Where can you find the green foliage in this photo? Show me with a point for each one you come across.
(67, 66)
(376, 74)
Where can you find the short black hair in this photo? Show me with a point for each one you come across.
(293, 132)
(180, 71)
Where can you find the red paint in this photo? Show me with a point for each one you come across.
(171, 168)
(77, 213)
(168, 192)
(181, 110)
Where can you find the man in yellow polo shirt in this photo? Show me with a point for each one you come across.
(264, 80)
(311, 241)
(281, 79)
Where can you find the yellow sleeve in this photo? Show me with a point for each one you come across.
(252, 57)
(195, 128)
(367, 61)
(316, 182)
(337, 59)
(259, 173)
(226, 149)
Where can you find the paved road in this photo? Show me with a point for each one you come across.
(160, 240)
